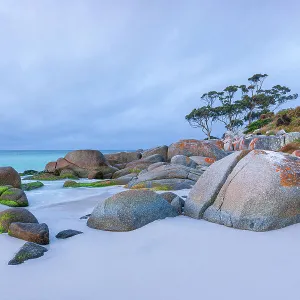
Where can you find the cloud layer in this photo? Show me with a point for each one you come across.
(123, 74)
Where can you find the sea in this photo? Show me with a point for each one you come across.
(23, 160)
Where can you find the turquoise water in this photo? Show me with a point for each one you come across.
(23, 160)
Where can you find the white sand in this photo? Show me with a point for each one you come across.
(177, 258)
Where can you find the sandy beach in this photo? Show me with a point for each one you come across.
(175, 258)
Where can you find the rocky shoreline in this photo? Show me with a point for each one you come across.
(250, 187)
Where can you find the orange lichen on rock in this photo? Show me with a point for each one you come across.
(289, 172)
(209, 160)
(252, 144)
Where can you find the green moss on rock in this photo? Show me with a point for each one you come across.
(96, 184)
(32, 186)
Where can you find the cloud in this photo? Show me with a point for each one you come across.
(123, 74)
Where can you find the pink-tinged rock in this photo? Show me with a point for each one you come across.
(195, 148)
(62, 164)
(51, 167)
(296, 153)
(228, 146)
(86, 159)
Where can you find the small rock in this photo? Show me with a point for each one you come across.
(65, 234)
(85, 217)
(28, 251)
(31, 232)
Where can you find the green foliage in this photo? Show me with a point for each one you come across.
(28, 172)
(257, 125)
(239, 104)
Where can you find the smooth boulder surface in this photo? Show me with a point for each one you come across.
(13, 215)
(161, 150)
(13, 197)
(9, 176)
(82, 163)
(261, 192)
(86, 159)
(205, 191)
(31, 232)
(28, 251)
(122, 157)
(195, 148)
(130, 210)
(171, 176)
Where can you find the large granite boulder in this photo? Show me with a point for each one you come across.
(13, 215)
(130, 210)
(9, 176)
(82, 163)
(86, 159)
(195, 148)
(31, 232)
(168, 177)
(161, 150)
(258, 191)
(13, 197)
(122, 157)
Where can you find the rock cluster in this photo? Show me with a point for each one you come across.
(257, 190)
(263, 142)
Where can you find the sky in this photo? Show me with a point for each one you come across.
(122, 74)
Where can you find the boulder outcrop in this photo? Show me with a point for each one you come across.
(166, 177)
(256, 191)
(130, 210)
(82, 163)
(196, 148)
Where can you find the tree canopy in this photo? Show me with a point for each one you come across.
(238, 104)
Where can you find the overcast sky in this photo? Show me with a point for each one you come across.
(123, 74)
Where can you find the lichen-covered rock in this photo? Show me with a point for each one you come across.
(13, 197)
(9, 176)
(130, 210)
(65, 234)
(261, 192)
(202, 161)
(171, 176)
(184, 161)
(13, 215)
(195, 148)
(28, 251)
(31, 232)
(171, 184)
(161, 150)
(205, 191)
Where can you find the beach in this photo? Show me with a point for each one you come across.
(174, 258)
